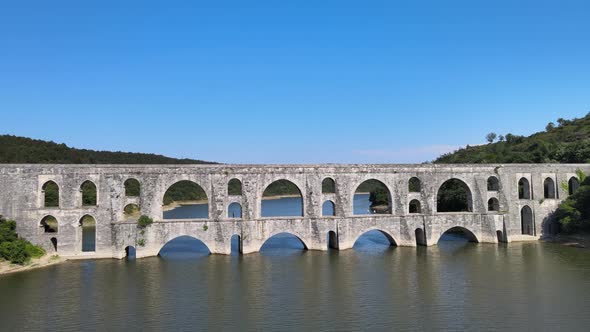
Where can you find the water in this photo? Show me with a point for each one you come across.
(286, 206)
(455, 285)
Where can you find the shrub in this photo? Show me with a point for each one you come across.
(33, 250)
(144, 221)
(574, 213)
(7, 230)
(14, 251)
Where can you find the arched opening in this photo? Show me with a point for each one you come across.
(234, 210)
(236, 245)
(493, 204)
(282, 198)
(524, 189)
(526, 221)
(328, 209)
(131, 211)
(185, 200)
(374, 241)
(573, 184)
(549, 188)
(88, 189)
(50, 194)
(184, 247)
(458, 234)
(420, 237)
(130, 252)
(132, 188)
(332, 240)
(372, 197)
(493, 184)
(49, 224)
(415, 206)
(328, 186)
(283, 244)
(54, 243)
(88, 224)
(454, 196)
(234, 187)
(500, 236)
(414, 185)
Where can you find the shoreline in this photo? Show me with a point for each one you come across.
(35, 263)
(176, 204)
(581, 241)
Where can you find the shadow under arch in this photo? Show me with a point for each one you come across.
(283, 243)
(458, 233)
(374, 239)
(183, 247)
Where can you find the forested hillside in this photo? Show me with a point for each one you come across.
(568, 141)
(15, 149)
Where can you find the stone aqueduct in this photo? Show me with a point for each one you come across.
(507, 203)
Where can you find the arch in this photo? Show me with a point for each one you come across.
(524, 189)
(328, 186)
(132, 187)
(379, 198)
(54, 243)
(332, 240)
(493, 183)
(185, 200)
(131, 211)
(88, 225)
(49, 224)
(493, 204)
(50, 194)
(275, 197)
(234, 210)
(130, 252)
(374, 236)
(549, 188)
(420, 236)
(464, 232)
(526, 221)
(283, 240)
(184, 246)
(328, 209)
(234, 187)
(454, 195)
(572, 185)
(414, 206)
(236, 245)
(414, 185)
(500, 236)
(88, 190)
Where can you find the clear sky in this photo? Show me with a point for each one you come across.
(290, 81)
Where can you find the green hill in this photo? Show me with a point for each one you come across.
(17, 150)
(566, 142)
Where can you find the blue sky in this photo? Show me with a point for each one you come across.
(290, 81)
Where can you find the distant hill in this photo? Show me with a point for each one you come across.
(15, 150)
(568, 141)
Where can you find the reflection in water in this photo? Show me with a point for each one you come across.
(453, 286)
(184, 247)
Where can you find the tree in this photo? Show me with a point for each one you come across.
(561, 121)
(550, 126)
(501, 138)
(491, 137)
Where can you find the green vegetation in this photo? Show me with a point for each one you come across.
(15, 149)
(574, 213)
(452, 197)
(568, 142)
(234, 187)
(144, 221)
(379, 196)
(281, 187)
(131, 211)
(131, 187)
(51, 191)
(13, 248)
(184, 191)
(88, 193)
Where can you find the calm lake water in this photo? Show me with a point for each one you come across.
(456, 285)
